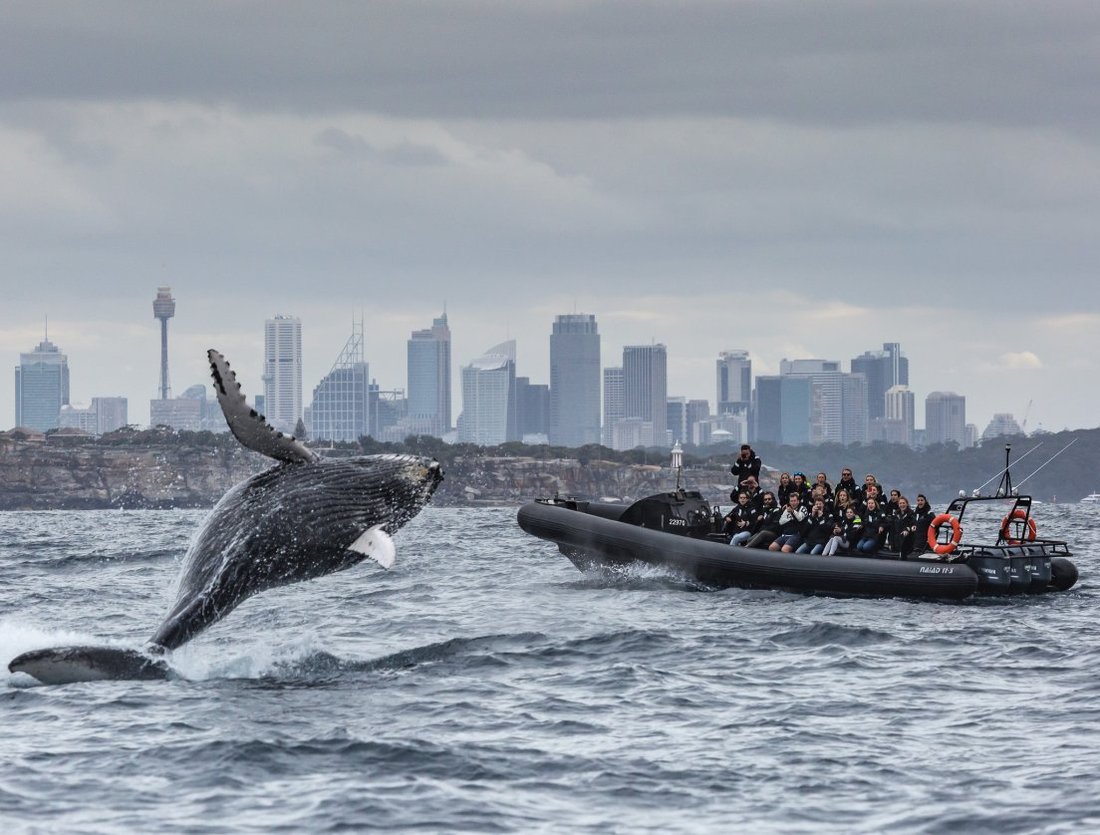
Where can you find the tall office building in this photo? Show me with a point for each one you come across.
(783, 409)
(945, 418)
(810, 402)
(532, 410)
(676, 419)
(489, 409)
(110, 413)
(574, 380)
(388, 408)
(645, 388)
(734, 382)
(883, 370)
(837, 402)
(283, 372)
(898, 424)
(429, 378)
(41, 387)
(340, 410)
(612, 402)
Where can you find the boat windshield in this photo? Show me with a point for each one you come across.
(981, 518)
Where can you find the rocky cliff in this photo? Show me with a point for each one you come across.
(47, 476)
(61, 473)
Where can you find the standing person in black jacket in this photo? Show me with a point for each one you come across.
(746, 464)
(903, 527)
(924, 514)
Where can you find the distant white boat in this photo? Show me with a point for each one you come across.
(1091, 498)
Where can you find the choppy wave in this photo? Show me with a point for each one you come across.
(485, 684)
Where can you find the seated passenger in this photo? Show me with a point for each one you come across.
(874, 528)
(871, 491)
(847, 483)
(740, 518)
(823, 480)
(869, 480)
(791, 522)
(783, 489)
(755, 494)
(892, 503)
(818, 492)
(800, 486)
(819, 528)
(841, 502)
(767, 528)
(759, 514)
(846, 533)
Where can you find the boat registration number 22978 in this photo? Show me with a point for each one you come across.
(937, 569)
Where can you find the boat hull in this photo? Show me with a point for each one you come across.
(586, 536)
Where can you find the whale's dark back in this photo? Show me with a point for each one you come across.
(289, 523)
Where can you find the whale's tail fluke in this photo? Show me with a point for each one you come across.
(65, 665)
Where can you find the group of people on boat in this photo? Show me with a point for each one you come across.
(816, 518)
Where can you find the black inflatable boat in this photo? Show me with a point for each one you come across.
(679, 530)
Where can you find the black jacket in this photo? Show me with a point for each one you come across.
(744, 467)
(901, 525)
(819, 529)
(745, 514)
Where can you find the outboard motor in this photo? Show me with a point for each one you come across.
(683, 512)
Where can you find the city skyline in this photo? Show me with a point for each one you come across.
(892, 353)
(798, 182)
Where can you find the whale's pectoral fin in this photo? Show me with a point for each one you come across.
(376, 544)
(65, 665)
(247, 425)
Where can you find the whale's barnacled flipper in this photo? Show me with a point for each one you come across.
(247, 425)
(65, 665)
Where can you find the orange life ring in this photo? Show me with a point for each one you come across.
(1018, 513)
(934, 529)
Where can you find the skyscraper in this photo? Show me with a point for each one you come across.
(676, 419)
(945, 418)
(837, 404)
(645, 387)
(110, 413)
(340, 410)
(532, 408)
(574, 380)
(612, 402)
(489, 398)
(429, 378)
(897, 427)
(883, 370)
(283, 372)
(734, 382)
(41, 387)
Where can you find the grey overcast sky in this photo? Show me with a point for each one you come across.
(798, 179)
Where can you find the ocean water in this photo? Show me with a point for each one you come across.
(486, 685)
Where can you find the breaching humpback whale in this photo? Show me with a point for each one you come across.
(305, 517)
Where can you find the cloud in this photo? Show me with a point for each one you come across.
(847, 62)
(1019, 361)
(796, 180)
